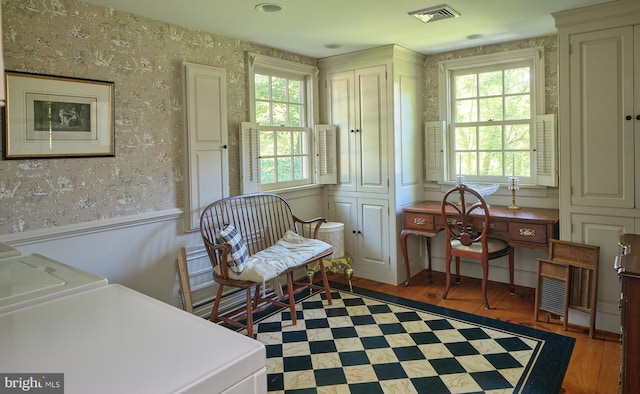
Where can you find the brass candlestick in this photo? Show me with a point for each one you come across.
(460, 179)
(513, 185)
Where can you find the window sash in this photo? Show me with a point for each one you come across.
(301, 108)
(524, 155)
(279, 152)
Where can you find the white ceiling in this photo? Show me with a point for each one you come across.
(307, 26)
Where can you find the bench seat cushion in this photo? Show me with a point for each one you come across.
(290, 251)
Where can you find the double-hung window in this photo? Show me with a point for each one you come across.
(277, 145)
(492, 129)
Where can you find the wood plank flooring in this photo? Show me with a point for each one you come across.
(595, 363)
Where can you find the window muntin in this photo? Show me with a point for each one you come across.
(284, 136)
(492, 121)
(284, 155)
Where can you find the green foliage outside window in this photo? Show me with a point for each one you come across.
(283, 139)
(492, 122)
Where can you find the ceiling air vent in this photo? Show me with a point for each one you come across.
(432, 14)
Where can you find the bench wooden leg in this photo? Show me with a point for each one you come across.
(292, 299)
(216, 305)
(325, 281)
(249, 314)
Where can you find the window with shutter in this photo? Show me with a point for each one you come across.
(492, 129)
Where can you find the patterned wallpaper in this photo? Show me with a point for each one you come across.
(143, 57)
(550, 44)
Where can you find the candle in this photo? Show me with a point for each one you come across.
(459, 165)
(513, 165)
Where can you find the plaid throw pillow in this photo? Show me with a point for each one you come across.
(239, 252)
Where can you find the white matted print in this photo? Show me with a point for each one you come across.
(49, 116)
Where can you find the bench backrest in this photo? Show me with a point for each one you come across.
(261, 219)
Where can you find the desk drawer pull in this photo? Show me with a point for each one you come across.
(419, 221)
(528, 232)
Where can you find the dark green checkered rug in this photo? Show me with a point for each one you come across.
(369, 342)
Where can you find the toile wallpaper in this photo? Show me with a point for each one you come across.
(550, 44)
(143, 57)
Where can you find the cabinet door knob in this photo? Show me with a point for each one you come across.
(628, 117)
(224, 146)
(638, 117)
(353, 131)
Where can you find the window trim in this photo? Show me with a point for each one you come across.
(534, 56)
(284, 68)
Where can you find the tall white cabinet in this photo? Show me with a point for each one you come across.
(374, 99)
(599, 126)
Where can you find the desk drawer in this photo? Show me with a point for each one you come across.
(419, 221)
(526, 232)
(495, 226)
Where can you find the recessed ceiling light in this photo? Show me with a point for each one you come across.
(474, 36)
(269, 7)
(332, 46)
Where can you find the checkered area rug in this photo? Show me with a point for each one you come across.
(368, 342)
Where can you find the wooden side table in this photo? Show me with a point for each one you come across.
(339, 265)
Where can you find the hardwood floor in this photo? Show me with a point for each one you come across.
(595, 363)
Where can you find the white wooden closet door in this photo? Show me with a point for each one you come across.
(206, 140)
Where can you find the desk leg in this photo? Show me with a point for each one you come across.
(429, 256)
(405, 255)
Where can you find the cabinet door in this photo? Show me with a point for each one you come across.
(341, 113)
(371, 125)
(366, 233)
(344, 210)
(373, 236)
(602, 140)
(357, 105)
(206, 129)
(604, 231)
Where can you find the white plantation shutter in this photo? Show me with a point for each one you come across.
(433, 150)
(546, 150)
(326, 157)
(249, 160)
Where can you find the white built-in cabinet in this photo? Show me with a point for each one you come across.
(356, 103)
(599, 126)
(206, 150)
(373, 97)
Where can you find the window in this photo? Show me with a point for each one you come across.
(492, 129)
(284, 139)
(281, 97)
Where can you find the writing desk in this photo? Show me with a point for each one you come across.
(524, 227)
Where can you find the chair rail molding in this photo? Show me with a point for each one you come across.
(72, 230)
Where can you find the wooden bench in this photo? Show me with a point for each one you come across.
(277, 243)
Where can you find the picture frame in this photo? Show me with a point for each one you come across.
(48, 116)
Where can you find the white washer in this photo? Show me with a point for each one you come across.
(115, 340)
(8, 251)
(31, 279)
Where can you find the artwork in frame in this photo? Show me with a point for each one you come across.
(49, 116)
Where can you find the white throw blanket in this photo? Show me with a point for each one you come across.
(290, 251)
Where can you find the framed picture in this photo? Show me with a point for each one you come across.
(49, 116)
